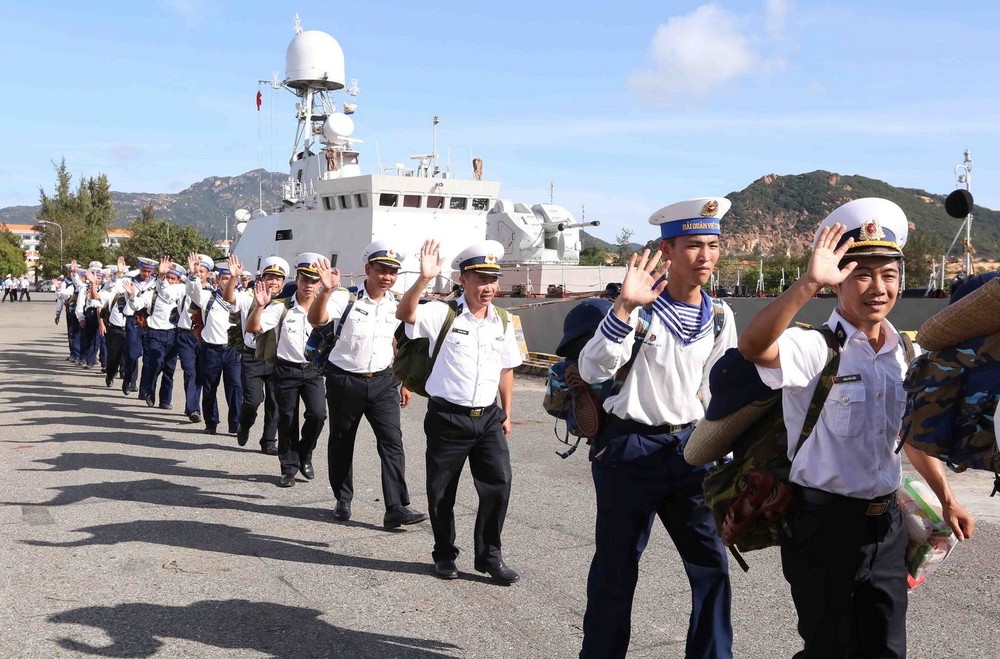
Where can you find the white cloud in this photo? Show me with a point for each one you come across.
(692, 56)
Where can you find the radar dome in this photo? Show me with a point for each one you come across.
(337, 127)
(314, 59)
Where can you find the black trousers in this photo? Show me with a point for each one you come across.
(349, 397)
(847, 572)
(257, 389)
(292, 383)
(115, 339)
(453, 437)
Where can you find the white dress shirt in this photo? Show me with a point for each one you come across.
(217, 320)
(244, 302)
(293, 332)
(166, 297)
(668, 383)
(851, 451)
(467, 370)
(116, 301)
(365, 343)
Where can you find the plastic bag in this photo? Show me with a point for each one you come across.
(931, 539)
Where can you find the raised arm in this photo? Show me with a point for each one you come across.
(263, 298)
(758, 342)
(430, 267)
(330, 278)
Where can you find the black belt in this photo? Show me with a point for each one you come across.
(115, 329)
(216, 346)
(184, 329)
(449, 406)
(642, 428)
(284, 362)
(333, 368)
(876, 506)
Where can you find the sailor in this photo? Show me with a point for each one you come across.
(142, 279)
(256, 373)
(159, 347)
(218, 359)
(359, 380)
(66, 300)
(636, 459)
(294, 378)
(189, 326)
(476, 361)
(845, 559)
(86, 314)
(114, 303)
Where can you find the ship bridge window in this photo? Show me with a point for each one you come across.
(480, 203)
(361, 199)
(329, 204)
(387, 199)
(434, 201)
(345, 201)
(411, 201)
(458, 203)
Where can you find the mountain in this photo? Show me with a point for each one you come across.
(773, 215)
(205, 205)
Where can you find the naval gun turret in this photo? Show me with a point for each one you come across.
(544, 233)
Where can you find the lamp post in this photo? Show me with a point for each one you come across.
(56, 225)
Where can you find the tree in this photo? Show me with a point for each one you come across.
(923, 252)
(593, 255)
(153, 238)
(624, 242)
(84, 216)
(11, 254)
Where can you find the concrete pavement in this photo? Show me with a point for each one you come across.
(126, 532)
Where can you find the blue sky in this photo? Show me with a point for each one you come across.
(624, 107)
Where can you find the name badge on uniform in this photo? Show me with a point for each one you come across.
(841, 379)
(362, 312)
(457, 330)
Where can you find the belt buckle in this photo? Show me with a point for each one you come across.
(477, 412)
(876, 508)
(367, 375)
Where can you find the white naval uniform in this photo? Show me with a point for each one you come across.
(167, 297)
(365, 343)
(217, 320)
(851, 451)
(467, 370)
(668, 383)
(293, 333)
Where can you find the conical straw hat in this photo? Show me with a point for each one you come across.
(976, 314)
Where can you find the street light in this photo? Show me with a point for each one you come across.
(56, 225)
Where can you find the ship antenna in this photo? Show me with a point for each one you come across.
(298, 24)
(434, 140)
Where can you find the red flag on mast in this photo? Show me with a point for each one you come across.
(258, 101)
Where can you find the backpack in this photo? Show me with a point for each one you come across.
(750, 496)
(323, 339)
(951, 400)
(267, 342)
(560, 396)
(414, 361)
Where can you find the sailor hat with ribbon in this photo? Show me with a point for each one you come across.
(382, 251)
(177, 270)
(274, 265)
(694, 217)
(206, 262)
(95, 266)
(147, 264)
(878, 226)
(304, 264)
(481, 257)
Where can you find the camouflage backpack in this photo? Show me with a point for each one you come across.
(750, 496)
(951, 399)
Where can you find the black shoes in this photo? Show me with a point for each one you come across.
(342, 512)
(235, 430)
(445, 570)
(269, 448)
(166, 406)
(307, 470)
(287, 480)
(195, 417)
(402, 515)
(210, 430)
(108, 382)
(149, 401)
(242, 437)
(500, 573)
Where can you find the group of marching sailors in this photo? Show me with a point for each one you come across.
(250, 335)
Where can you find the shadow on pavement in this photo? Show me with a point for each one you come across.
(140, 630)
(129, 463)
(232, 540)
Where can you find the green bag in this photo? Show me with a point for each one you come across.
(414, 361)
(267, 342)
(750, 496)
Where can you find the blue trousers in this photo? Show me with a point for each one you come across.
(642, 475)
(159, 356)
(188, 352)
(73, 335)
(133, 352)
(102, 350)
(88, 337)
(220, 363)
